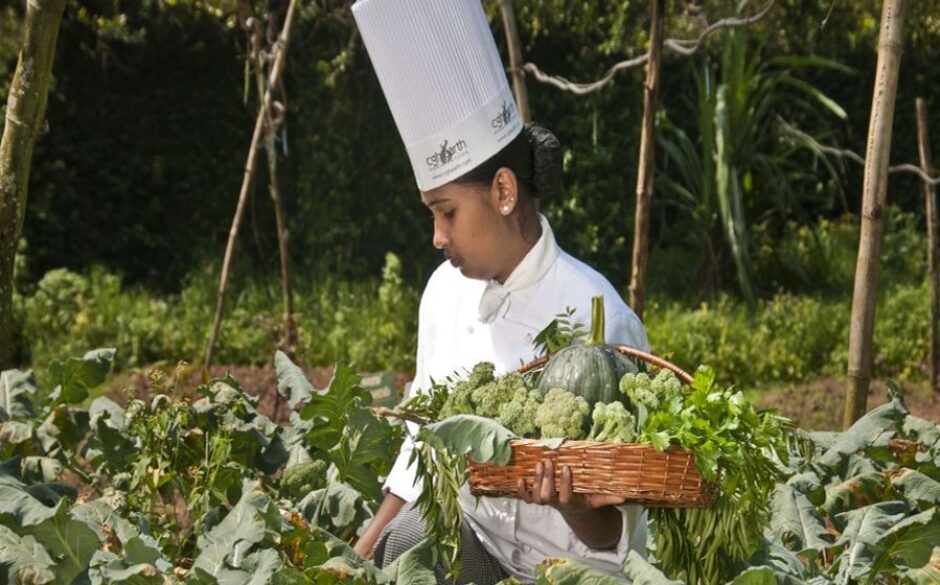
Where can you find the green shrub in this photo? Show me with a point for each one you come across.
(792, 338)
(371, 324)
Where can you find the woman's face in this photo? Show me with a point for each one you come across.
(469, 228)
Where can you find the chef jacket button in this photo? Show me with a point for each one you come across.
(471, 328)
(528, 338)
(517, 556)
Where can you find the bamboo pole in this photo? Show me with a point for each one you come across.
(26, 110)
(515, 59)
(273, 122)
(930, 214)
(646, 166)
(874, 200)
(276, 69)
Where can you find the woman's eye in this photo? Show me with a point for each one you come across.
(449, 214)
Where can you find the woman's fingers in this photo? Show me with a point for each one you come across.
(566, 490)
(547, 493)
(524, 494)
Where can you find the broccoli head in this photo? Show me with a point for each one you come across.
(518, 414)
(561, 415)
(613, 423)
(300, 479)
(460, 400)
(651, 393)
(489, 399)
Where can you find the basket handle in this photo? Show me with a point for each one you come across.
(627, 351)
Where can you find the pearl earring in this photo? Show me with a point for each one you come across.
(505, 209)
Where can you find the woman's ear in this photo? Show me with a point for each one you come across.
(505, 190)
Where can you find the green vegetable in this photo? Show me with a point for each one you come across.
(302, 478)
(613, 423)
(562, 415)
(489, 399)
(518, 415)
(460, 400)
(726, 434)
(592, 370)
(645, 394)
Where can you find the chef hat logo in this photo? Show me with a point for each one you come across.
(445, 154)
(444, 82)
(505, 116)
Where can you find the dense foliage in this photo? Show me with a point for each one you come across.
(169, 489)
(127, 161)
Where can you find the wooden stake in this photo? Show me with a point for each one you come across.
(276, 70)
(874, 200)
(273, 122)
(25, 113)
(515, 59)
(646, 166)
(930, 214)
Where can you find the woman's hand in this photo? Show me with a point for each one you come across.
(564, 499)
(591, 517)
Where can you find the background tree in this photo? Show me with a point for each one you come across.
(874, 203)
(25, 121)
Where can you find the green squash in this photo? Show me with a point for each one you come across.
(592, 370)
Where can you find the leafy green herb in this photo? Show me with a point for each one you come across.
(562, 332)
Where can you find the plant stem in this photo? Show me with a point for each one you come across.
(597, 322)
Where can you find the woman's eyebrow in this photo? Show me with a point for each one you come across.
(437, 202)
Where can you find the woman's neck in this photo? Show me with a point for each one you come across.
(530, 230)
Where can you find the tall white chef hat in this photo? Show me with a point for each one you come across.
(444, 81)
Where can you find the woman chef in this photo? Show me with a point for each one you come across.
(481, 173)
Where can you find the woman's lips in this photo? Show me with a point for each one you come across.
(454, 261)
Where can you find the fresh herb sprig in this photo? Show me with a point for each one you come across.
(734, 445)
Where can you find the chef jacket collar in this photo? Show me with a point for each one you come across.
(496, 297)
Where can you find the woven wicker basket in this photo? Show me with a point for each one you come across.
(637, 472)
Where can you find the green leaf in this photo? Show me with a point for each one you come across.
(864, 432)
(756, 576)
(925, 432)
(344, 506)
(855, 492)
(16, 389)
(63, 428)
(101, 515)
(659, 440)
(912, 539)
(291, 381)
(929, 574)
(416, 565)
(485, 440)
(71, 543)
(74, 377)
(243, 527)
(365, 441)
(18, 503)
(107, 568)
(569, 572)
(917, 488)
(730, 194)
(14, 432)
(27, 561)
(808, 483)
(41, 469)
(641, 572)
(864, 529)
(327, 409)
(794, 520)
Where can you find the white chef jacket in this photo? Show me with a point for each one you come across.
(463, 321)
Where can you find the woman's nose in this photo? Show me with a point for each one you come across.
(440, 239)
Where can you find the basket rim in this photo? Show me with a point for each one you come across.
(623, 350)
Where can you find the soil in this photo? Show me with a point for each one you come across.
(813, 406)
(259, 381)
(818, 405)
